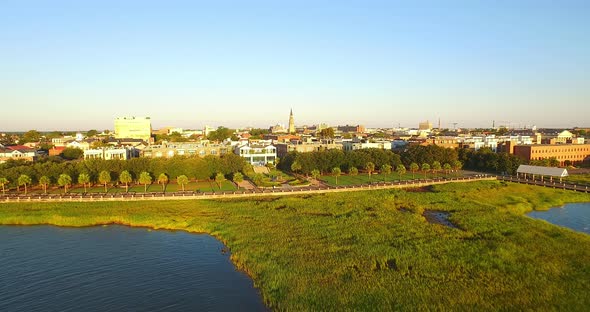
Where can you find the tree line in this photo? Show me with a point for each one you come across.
(49, 171)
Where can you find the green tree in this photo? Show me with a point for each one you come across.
(4, 182)
(353, 171)
(315, 174)
(84, 179)
(182, 180)
(447, 168)
(125, 178)
(370, 167)
(163, 179)
(238, 177)
(219, 178)
(327, 133)
(258, 179)
(91, 133)
(31, 136)
(336, 172)
(413, 168)
(64, 180)
(436, 166)
(44, 181)
(71, 153)
(145, 178)
(401, 170)
(425, 169)
(220, 134)
(104, 178)
(457, 165)
(24, 180)
(386, 170)
(295, 166)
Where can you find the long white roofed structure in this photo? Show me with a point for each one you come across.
(541, 171)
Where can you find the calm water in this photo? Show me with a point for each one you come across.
(573, 216)
(116, 268)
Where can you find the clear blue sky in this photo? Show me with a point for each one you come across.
(78, 64)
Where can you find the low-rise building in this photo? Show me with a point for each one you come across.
(571, 153)
(108, 153)
(363, 144)
(168, 150)
(302, 147)
(18, 152)
(259, 155)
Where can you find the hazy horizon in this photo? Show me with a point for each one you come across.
(78, 65)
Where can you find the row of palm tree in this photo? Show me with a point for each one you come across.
(104, 178)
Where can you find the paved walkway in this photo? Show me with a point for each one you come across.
(237, 194)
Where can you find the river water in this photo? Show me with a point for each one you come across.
(117, 268)
(573, 216)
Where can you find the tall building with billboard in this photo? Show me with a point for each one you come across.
(133, 128)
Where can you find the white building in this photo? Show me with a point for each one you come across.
(257, 154)
(109, 153)
(357, 145)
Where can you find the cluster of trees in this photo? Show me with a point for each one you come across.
(486, 160)
(98, 171)
(325, 161)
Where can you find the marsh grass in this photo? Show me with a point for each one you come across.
(374, 250)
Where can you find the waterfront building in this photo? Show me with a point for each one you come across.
(257, 154)
(133, 128)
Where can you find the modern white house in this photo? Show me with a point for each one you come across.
(257, 154)
(361, 144)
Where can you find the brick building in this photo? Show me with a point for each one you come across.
(575, 153)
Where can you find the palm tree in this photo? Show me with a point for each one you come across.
(64, 180)
(295, 166)
(182, 180)
(353, 171)
(414, 167)
(145, 178)
(24, 180)
(370, 167)
(219, 178)
(238, 177)
(385, 170)
(457, 165)
(401, 170)
(436, 167)
(315, 174)
(84, 179)
(425, 169)
(4, 182)
(44, 181)
(447, 168)
(336, 172)
(163, 179)
(104, 178)
(125, 177)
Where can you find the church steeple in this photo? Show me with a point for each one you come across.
(291, 123)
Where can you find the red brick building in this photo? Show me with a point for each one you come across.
(575, 153)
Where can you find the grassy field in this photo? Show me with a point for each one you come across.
(364, 178)
(374, 250)
(583, 179)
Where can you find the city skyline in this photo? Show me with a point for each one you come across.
(380, 64)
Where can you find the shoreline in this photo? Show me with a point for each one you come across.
(291, 246)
